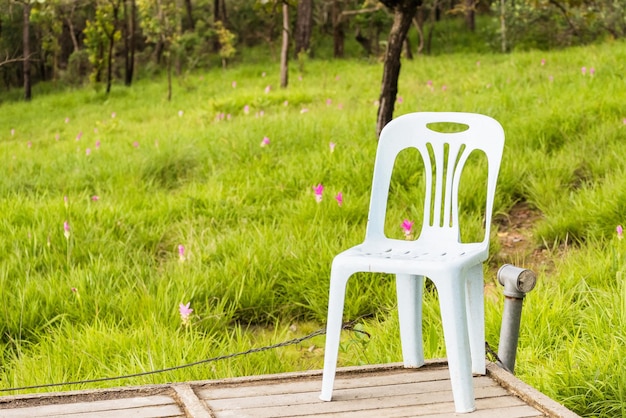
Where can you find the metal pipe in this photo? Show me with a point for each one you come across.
(517, 282)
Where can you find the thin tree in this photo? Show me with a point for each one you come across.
(403, 14)
(284, 52)
(129, 33)
(26, 50)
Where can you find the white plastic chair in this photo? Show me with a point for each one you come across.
(454, 267)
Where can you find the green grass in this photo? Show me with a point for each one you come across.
(258, 247)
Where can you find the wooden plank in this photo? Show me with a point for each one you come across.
(529, 394)
(354, 393)
(362, 399)
(279, 386)
(485, 408)
(192, 405)
(65, 409)
(161, 411)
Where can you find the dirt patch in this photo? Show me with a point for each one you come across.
(518, 245)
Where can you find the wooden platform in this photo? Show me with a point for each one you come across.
(371, 391)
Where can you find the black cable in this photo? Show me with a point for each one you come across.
(348, 325)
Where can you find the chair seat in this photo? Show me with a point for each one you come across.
(410, 257)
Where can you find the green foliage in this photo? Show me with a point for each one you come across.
(546, 24)
(78, 67)
(227, 40)
(99, 33)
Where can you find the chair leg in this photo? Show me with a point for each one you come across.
(476, 318)
(410, 290)
(453, 318)
(338, 281)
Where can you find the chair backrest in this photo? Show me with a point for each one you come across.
(444, 156)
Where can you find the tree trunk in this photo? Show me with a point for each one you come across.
(129, 40)
(403, 14)
(503, 25)
(338, 33)
(284, 52)
(190, 21)
(169, 75)
(304, 27)
(110, 64)
(26, 52)
(70, 27)
(470, 15)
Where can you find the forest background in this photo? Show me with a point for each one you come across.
(156, 161)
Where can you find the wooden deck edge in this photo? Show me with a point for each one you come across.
(84, 395)
(528, 394)
(189, 401)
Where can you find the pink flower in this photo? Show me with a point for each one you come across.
(340, 106)
(407, 228)
(29, 144)
(246, 109)
(234, 84)
(136, 144)
(339, 199)
(181, 253)
(67, 120)
(332, 146)
(185, 312)
(79, 136)
(286, 103)
(319, 189)
(95, 198)
(56, 137)
(113, 115)
(329, 102)
(265, 142)
(592, 71)
(583, 70)
(543, 62)
(444, 88)
(400, 100)
(97, 144)
(268, 88)
(66, 229)
(620, 232)
(88, 151)
(304, 110)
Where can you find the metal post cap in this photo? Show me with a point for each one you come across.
(516, 281)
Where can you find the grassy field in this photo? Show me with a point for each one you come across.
(116, 209)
